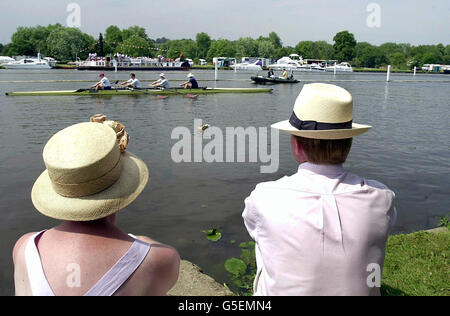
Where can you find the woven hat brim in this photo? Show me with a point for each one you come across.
(132, 181)
(356, 130)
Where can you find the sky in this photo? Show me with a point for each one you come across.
(374, 21)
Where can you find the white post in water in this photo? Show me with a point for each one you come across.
(216, 71)
(415, 69)
(335, 68)
(388, 74)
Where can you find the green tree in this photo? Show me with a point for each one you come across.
(305, 49)
(203, 43)
(370, 56)
(135, 46)
(398, 60)
(275, 40)
(344, 46)
(175, 48)
(113, 38)
(30, 40)
(134, 31)
(314, 50)
(284, 51)
(66, 44)
(266, 49)
(246, 47)
(221, 48)
(430, 58)
(5, 50)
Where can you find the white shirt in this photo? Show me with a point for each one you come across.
(135, 83)
(318, 231)
(105, 82)
(163, 83)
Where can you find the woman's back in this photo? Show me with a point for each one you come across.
(75, 256)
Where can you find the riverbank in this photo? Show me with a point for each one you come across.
(211, 67)
(416, 264)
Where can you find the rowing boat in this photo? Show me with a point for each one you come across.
(117, 92)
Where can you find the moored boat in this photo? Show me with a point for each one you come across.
(126, 63)
(28, 63)
(342, 67)
(120, 92)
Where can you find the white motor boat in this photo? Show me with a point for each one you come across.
(288, 63)
(295, 63)
(6, 59)
(342, 67)
(256, 66)
(28, 63)
(311, 68)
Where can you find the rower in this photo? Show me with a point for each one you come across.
(285, 74)
(103, 84)
(133, 82)
(270, 74)
(191, 83)
(162, 82)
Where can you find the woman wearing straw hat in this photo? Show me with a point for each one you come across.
(87, 181)
(323, 230)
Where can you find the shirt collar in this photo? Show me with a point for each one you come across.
(322, 169)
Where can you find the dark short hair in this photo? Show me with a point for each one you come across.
(326, 151)
(133, 75)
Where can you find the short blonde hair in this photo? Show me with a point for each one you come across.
(326, 151)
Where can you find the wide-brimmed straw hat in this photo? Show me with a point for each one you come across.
(87, 177)
(162, 75)
(323, 111)
(190, 75)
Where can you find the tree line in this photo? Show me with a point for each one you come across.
(67, 44)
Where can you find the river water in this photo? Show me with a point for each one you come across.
(408, 150)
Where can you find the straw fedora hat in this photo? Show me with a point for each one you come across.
(190, 75)
(323, 111)
(87, 177)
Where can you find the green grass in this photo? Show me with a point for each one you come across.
(417, 265)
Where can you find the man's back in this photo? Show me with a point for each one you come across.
(318, 231)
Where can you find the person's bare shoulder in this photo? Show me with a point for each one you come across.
(19, 247)
(163, 263)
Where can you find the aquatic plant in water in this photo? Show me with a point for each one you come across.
(243, 270)
(213, 234)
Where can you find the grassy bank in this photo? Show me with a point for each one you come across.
(416, 265)
(64, 66)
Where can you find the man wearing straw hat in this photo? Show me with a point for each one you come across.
(87, 181)
(191, 83)
(323, 230)
(162, 82)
